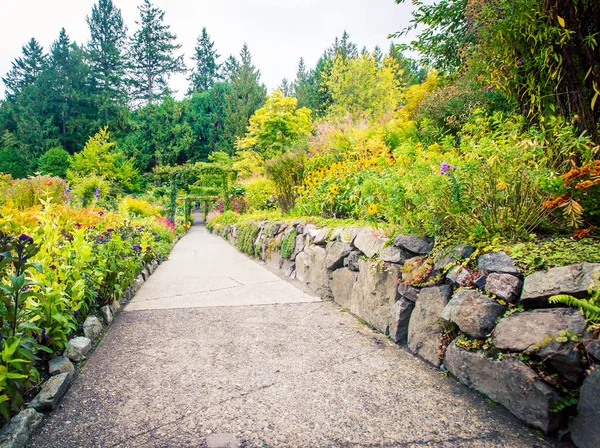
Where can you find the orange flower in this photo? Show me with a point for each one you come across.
(49, 183)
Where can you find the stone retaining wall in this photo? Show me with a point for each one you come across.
(452, 314)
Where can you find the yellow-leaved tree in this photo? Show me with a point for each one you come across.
(276, 126)
(363, 86)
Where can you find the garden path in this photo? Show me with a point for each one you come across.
(216, 350)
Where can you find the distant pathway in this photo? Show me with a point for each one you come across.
(216, 350)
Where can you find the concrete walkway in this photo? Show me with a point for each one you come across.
(215, 350)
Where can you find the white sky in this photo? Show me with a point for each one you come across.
(278, 32)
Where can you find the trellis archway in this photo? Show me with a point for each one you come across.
(183, 177)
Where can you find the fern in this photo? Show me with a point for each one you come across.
(588, 307)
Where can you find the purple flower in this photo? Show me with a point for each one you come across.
(67, 191)
(26, 238)
(45, 337)
(137, 248)
(82, 198)
(77, 313)
(520, 62)
(53, 267)
(97, 193)
(445, 167)
(110, 230)
(490, 87)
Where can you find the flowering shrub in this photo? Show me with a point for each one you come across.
(24, 193)
(68, 261)
(140, 208)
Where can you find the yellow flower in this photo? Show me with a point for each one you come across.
(373, 209)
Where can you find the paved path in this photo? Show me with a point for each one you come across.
(215, 349)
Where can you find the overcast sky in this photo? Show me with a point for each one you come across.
(278, 32)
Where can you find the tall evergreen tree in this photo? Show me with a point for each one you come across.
(105, 52)
(343, 47)
(207, 70)
(69, 93)
(246, 95)
(153, 59)
(26, 69)
(285, 87)
(229, 67)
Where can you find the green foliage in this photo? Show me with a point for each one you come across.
(287, 172)
(244, 97)
(100, 159)
(589, 307)
(138, 208)
(206, 73)
(55, 162)
(153, 56)
(26, 193)
(363, 86)
(12, 163)
(260, 194)
(247, 234)
(553, 252)
(276, 126)
(288, 244)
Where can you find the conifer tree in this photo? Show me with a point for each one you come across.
(246, 95)
(229, 68)
(152, 58)
(26, 69)
(207, 70)
(105, 51)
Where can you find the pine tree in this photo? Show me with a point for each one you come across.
(207, 70)
(244, 98)
(69, 92)
(152, 56)
(343, 47)
(105, 51)
(26, 69)
(285, 87)
(229, 67)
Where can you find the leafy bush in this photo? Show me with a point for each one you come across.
(287, 172)
(260, 194)
(140, 208)
(25, 193)
(55, 162)
(90, 190)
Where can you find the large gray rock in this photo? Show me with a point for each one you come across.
(107, 314)
(457, 253)
(342, 283)
(374, 293)
(508, 382)
(474, 313)
(92, 327)
(573, 280)
(275, 260)
(459, 275)
(335, 254)
(414, 244)
(288, 268)
(299, 245)
(312, 270)
(408, 292)
(321, 237)
(16, 434)
(348, 234)
(497, 262)
(60, 364)
(425, 327)
(351, 261)
(52, 391)
(585, 427)
(536, 332)
(78, 348)
(399, 319)
(368, 242)
(392, 254)
(504, 286)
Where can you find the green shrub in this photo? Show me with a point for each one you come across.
(287, 172)
(138, 207)
(55, 162)
(288, 244)
(260, 194)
